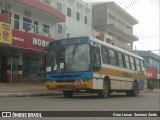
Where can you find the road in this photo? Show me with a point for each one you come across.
(143, 102)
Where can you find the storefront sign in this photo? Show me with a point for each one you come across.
(18, 39)
(151, 73)
(39, 42)
(5, 33)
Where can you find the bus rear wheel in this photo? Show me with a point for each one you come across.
(105, 92)
(68, 94)
(134, 92)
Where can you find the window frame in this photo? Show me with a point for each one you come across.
(85, 19)
(46, 28)
(122, 60)
(69, 12)
(16, 21)
(128, 66)
(132, 63)
(105, 55)
(27, 24)
(59, 6)
(77, 16)
(111, 57)
(47, 1)
(142, 65)
(138, 66)
(59, 28)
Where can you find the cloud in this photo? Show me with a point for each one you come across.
(147, 13)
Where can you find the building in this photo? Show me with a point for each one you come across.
(27, 26)
(152, 65)
(30, 25)
(110, 19)
(78, 18)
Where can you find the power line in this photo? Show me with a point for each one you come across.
(133, 3)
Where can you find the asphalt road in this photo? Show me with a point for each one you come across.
(143, 102)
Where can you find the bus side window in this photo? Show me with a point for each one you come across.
(132, 63)
(142, 66)
(105, 54)
(138, 65)
(96, 60)
(127, 62)
(120, 60)
(112, 57)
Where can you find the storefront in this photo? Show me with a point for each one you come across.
(21, 60)
(152, 76)
(5, 41)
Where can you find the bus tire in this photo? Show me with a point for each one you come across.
(105, 92)
(134, 92)
(68, 94)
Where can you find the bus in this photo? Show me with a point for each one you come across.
(86, 64)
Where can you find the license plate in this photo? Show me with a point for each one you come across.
(76, 83)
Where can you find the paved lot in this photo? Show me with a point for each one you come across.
(32, 89)
(144, 102)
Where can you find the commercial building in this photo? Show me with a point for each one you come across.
(26, 28)
(29, 26)
(114, 24)
(152, 65)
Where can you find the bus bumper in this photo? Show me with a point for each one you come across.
(70, 85)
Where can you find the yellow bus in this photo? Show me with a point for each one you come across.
(86, 64)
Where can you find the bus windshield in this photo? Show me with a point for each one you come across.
(72, 58)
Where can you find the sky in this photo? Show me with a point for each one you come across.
(147, 12)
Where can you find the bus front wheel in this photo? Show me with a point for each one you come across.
(104, 93)
(68, 94)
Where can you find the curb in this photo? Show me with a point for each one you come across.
(28, 94)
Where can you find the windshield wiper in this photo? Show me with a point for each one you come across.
(74, 51)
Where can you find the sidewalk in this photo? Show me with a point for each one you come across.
(153, 91)
(25, 89)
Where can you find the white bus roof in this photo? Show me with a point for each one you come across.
(114, 47)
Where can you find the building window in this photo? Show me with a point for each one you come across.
(69, 11)
(27, 24)
(16, 21)
(45, 28)
(85, 19)
(35, 27)
(46, 1)
(59, 6)
(78, 16)
(59, 28)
